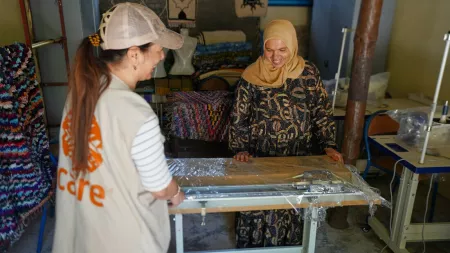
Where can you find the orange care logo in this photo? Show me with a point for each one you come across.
(68, 181)
(95, 143)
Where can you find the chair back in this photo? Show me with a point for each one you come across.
(378, 123)
(382, 124)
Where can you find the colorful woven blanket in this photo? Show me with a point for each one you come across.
(200, 115)
(26, 171)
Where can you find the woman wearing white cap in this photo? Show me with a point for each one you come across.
(113, 179)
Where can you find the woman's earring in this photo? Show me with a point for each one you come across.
(134, 67)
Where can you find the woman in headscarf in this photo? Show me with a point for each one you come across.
(281, 109)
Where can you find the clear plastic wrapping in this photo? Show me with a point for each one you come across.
(413, 125)
(224, 184)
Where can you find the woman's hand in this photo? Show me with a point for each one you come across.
(242, 156)
(333, 154)
(177, 199)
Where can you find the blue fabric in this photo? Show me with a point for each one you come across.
(222, 47)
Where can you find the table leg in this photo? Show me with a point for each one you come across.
(310, 231)
(179, 232)
(402, 214)
(401, 199)
(406, 209)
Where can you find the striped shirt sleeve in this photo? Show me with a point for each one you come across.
(147, 153)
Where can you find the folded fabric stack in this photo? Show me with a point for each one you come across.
(199, 115)
(227, 55)
(26, 171)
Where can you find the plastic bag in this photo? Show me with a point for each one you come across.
(378, 85)
(413, 125)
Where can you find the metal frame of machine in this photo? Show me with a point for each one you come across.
(257, 197)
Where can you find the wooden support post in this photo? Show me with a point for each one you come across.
(365, 41)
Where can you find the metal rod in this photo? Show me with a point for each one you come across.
(407, 209)
(405, 180)
(345, 30)
(64, 41)
(46, 42)
(179, 233)
(310, 231)
(435, 99)
(226, 203)
(42, 227)
(26, 27)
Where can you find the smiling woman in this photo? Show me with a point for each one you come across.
(276, 52)
(281, 109)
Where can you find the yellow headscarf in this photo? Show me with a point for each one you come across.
(262, 72)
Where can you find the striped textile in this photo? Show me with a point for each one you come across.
(201, 115)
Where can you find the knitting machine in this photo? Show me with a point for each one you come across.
(224, 185)
(314, 187)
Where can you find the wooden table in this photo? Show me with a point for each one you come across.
(403, 230)
(231, 178)
(387, 104)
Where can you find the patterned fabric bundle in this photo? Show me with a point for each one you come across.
(200, 115)
(230, 55)
(26, 171)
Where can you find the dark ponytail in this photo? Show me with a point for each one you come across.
(89, 78)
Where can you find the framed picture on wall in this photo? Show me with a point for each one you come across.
(290, 2)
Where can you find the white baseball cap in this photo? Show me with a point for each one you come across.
(131, 24)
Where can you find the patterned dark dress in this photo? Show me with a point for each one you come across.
(293, 120)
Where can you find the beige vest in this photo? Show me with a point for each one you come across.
(107, 210)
